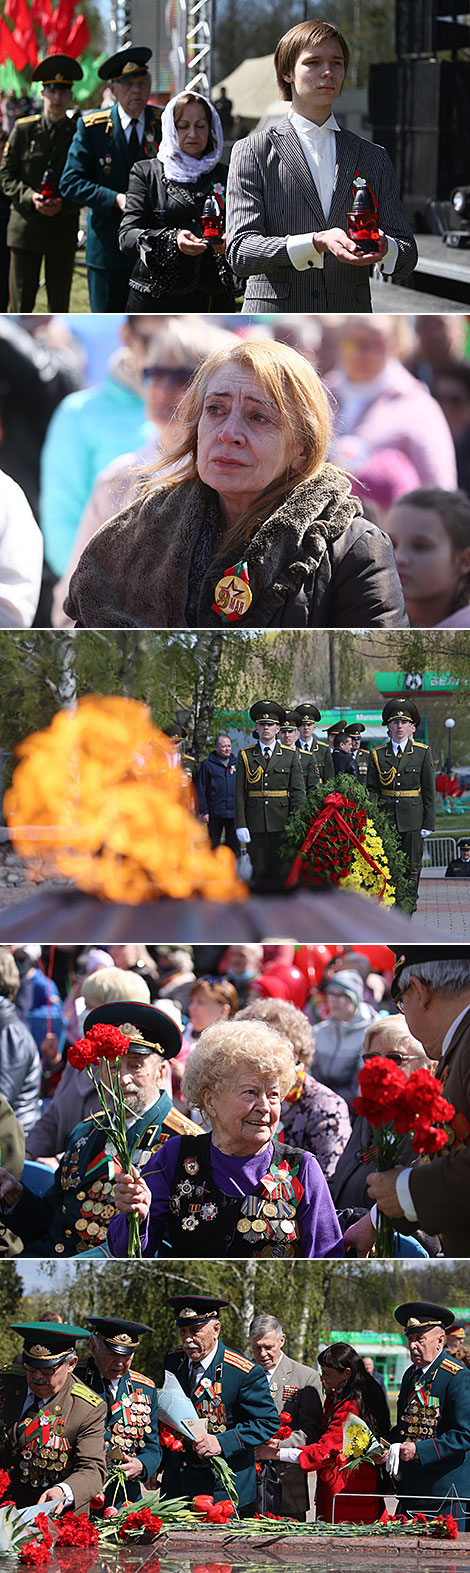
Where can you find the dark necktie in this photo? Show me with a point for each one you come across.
(193, 1380)
(399, 752)
(266, 754)
(108, 1393)
(133, 143)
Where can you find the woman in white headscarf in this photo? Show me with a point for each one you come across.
(176, 269)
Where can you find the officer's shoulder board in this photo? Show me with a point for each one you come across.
(421, 745)
(26, 120)
(96, 117)
(180, 1123)
(452, 1365)
(232, 1358)
(12, 1370)
(288, 748)
(136, 1376)
(79, 1390)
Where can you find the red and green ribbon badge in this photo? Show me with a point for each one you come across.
(237, 603)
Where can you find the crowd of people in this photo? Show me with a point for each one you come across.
(380, 471)
(239, 1078)
(282, 1426)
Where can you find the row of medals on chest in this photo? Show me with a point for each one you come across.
(421, 1420)
(129, 1437)
(268, 1217)
(97, 1207)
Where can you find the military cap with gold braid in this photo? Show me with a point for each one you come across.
(412, 955)
(150, 1030)
(193, 1310)
(129, 62)
(47, 1344)
(308, 712)
(121, 1337)
(400, 710)
(267, 710)
(418, 1316)
(57, 71)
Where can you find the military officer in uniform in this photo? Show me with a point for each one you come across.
(269, 786)
(131, 1433)
(359, 756)
(230, 1394)
(107, 143)
(42, 222)
(401, 776)
(75, 1212)
(459, 867)
(432, 1434)
(51, 1424)
(315, 757)
(176, 735)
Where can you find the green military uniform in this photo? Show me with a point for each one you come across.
(60, 1441)
(131, 1429)
(315, 757)
(361, 759)
(233, 1397)
(434, 1413)
(37, 145)
(267, 791)
(405, 787)
(75, 1212)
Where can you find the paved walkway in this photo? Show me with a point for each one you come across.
(444, 904)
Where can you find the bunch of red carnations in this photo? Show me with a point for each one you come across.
(399, 1108)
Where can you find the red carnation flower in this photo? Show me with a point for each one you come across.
(109, 1043)
(4, 1482)
(76, 1530)
(451, 1527)
(428, 1138)
(381, 1083)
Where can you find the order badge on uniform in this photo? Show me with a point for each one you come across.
(232, 595)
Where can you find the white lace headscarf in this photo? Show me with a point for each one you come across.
(178, 165)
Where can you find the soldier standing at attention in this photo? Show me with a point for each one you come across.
(42, 223)
(269, 786)
(107, 143)
(401, 775)
(315, 757)
(359, 756)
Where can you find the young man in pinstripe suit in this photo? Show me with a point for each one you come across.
(290, 188)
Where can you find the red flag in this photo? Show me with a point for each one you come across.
(78, 38)
(62, 19)
(10, 50)
(24, 35)
(41, 11)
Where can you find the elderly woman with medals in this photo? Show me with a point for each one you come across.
(245, 522)
(233, 1191)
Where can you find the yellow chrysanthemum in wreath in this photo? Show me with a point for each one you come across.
(362, 877)
(97, 798)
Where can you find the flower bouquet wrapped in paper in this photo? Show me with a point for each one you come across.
(360, 1446)
(17, 1525)
(177, 1411)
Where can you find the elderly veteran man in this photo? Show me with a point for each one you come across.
(230, 1394)
(269, 786)
(315, 757)
(131, 1431)
(296, 1389)
(430, 1453)
(400, 775)
(106, 145)
(432, 988)
(75, 1212)
(51, 1424)
(42, 223)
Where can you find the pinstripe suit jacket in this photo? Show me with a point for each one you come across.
(271, 195)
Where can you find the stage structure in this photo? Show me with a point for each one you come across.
(179, 33)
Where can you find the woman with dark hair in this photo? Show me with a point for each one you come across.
(177, 267)
(430, 534)
(349, 1389)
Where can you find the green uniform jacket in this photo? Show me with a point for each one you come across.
(98, 166)
(404, 786)
(28, 153)
(131, 1429)
(75, 1212)
(238, 1407)
(317, 764)
(267, 791)
(440, 1189)
(76, 1415)
(362, 760)
(440, 1430)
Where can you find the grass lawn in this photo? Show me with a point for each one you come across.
(453, 824)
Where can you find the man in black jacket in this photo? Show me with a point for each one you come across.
(342, 761)
(215, 787)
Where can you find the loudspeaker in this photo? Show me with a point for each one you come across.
(420, 112)
(424, 26)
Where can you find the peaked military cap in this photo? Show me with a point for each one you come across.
(308, 713)
(267, 710)
(420, 1315)
(47, 1344)
(192, 1310)
(336, 728)
(400, 710)
(121, 1337)
(354, 729)
(464, 843)
(291, 718)
(57, 71)
(412, 955)
(150, 1030)
(131, 61)
(175, 733)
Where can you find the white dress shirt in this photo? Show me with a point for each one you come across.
(318, 145)
(403, 1181)
(201, 1366)
(126, 122)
